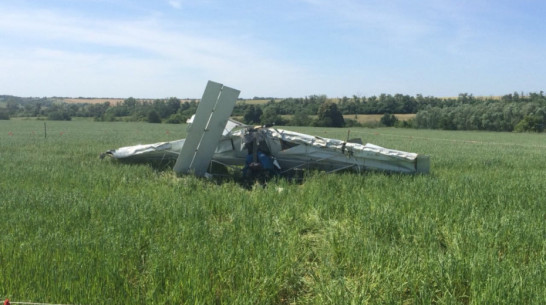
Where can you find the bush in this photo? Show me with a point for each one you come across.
(324, 122)
(530, 123)
(352, 123)
(59, 116)
(4, 115)
(177, 118)
(405, 124)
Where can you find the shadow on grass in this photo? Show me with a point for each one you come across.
(219, 174)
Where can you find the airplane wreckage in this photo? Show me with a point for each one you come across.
(215, 139)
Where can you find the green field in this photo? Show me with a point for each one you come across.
(75, 229)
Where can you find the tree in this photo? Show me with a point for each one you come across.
(329, 116)
(252, 115)
(12, 107)
(388, 119)
(173, 104)
(130, 102)
(271, 116)
(300, 118)
(97, 110)
(153, 117)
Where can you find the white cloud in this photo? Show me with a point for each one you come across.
(78, 56)
(175, 4)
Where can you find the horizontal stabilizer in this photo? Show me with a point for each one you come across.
(206, 130)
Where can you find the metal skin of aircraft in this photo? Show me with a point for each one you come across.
(213, 138)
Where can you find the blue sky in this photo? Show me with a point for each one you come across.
(284, 48)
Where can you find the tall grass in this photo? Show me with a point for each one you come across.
(77, 229)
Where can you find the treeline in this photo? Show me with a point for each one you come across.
(170, 110)
(511, 112)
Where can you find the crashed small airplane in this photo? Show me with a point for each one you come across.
(215, 139)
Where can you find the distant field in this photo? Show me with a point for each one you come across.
(482, 97)
(79, 230)
(113, 101)
(374, 118)
(256, 102)
(361, 118)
